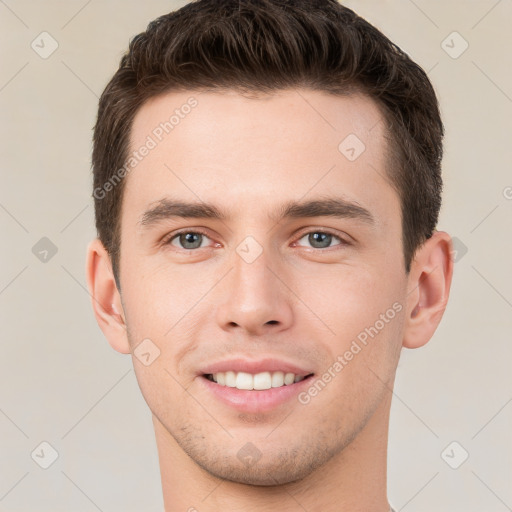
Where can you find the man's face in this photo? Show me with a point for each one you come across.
(292, 293)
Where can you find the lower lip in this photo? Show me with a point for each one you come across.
(255, 401)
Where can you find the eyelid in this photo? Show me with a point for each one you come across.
(334, 233)
(305, 231)
(166, 240)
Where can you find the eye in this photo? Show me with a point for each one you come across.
(187, 240)
(321, 239)
(190, 240)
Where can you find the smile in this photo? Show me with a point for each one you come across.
(258, 381)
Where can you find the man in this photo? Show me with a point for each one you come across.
(267, 186)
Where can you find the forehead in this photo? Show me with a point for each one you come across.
(223, 147)
(295, 115)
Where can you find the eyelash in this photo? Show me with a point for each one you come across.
(169, 239)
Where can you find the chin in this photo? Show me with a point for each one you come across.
(280, 467)
(268, 475)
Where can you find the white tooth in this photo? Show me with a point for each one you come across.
(288, 378)
(262, 380)
(230, 379)
(244, 381)
(277, 379)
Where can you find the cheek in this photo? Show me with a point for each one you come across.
(360, 311)
(163, 391)
(365, 310)
(162, 305)
(157, 298)
(349, 298)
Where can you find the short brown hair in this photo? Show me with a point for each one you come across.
(265, 46)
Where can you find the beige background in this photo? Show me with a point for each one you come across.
(63, 384)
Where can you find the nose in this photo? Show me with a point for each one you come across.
(254, 298)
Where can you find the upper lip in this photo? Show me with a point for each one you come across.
(254, 367)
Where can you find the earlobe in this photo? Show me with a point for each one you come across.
(429, 288)
(106, 300)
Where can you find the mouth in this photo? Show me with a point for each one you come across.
(256, 393)
(255, 382)
(254, 386)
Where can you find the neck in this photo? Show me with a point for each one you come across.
(353, 480)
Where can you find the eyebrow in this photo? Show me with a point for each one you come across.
(338, 207)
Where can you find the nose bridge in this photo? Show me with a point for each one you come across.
(253, 298)
(251, 279)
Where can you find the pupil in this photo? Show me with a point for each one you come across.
(323, 238)
(188, 239)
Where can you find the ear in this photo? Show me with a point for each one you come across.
(106, 299)
(428, 289)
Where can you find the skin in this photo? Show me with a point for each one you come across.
(296, 301)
